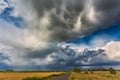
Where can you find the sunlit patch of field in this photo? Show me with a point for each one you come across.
(96, 75)
(21, 75)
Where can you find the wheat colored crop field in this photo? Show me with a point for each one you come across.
(21, 75)
(96, 75)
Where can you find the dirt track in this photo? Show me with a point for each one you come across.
(63, 77)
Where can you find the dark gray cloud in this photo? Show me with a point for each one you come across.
(106, 5)
(67, 58)
(110, 11)
(41, 52)
(69, 19)
(72, 7)
(70, 57)
(3, 56)
(62, 16)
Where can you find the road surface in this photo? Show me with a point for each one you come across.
(62, 77)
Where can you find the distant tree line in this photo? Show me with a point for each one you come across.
(111, 70)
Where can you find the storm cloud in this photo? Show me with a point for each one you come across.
(49, 22)
(67, 20)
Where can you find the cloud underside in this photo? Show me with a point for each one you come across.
(67, 20)
(49, 22)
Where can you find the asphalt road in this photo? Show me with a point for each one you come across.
(62, 77)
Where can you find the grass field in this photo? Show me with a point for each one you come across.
(21, 75)
(96, 75)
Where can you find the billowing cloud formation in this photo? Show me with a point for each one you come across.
(66, 20)
(64, 57)
(48, 22)
(113, 50)
(68, 56)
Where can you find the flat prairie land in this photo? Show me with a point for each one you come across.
(97, 75)
(21, 75)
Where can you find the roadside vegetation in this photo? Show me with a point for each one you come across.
(44, 78)
(98, 74)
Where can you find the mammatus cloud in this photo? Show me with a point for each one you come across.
(66, 20)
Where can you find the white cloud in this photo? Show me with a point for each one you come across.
(100, 40)
(15, 45)
(112, 50)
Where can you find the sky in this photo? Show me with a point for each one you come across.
(59, 34)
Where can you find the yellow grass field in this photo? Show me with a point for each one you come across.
(99, 75)
(21, 75)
